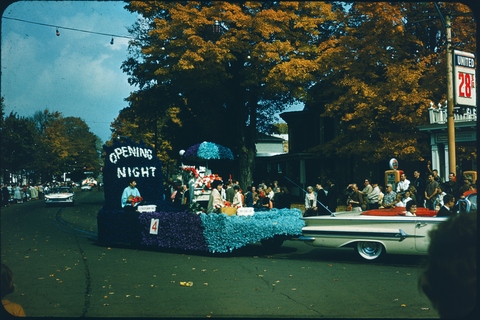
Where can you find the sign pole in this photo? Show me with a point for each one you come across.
(450, 105)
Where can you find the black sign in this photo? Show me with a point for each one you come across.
(126, 160)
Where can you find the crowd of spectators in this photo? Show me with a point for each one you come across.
(20, 193)
(428, 192)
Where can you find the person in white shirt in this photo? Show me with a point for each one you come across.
(411, 208)
(438, 203)
(373, 197)
(398, 201)
(406, 198)
(237, 198)
(216, 201)
(403, 184)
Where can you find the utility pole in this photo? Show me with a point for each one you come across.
(450, 104)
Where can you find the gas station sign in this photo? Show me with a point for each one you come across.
(464, 78)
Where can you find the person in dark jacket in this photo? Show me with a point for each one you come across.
(419, 184)
(5, 196)
(249, 197)
(281, 199)
(447, 209)
(322, 197)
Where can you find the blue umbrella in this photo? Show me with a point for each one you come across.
(208, 151)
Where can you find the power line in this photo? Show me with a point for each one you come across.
(68, 28)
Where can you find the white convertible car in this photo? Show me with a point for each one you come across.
(60, 195)
(375, 232)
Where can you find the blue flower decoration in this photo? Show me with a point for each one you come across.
(208, 151)
(215, 233)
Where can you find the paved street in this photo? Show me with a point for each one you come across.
(61, 271)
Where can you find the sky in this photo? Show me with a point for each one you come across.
(77, 73)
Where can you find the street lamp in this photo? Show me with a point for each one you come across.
(219, 27)
(216, 27)
(181, 153)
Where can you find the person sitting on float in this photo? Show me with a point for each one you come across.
(411, 208)
(131, 196)
(216, 201)
(237, 198)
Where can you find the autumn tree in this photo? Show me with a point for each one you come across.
(380, 79)
(68, 145)
(45, 145)
(227, 67)
(153, 130)
(84, 146)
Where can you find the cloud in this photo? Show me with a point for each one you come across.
(77, 73)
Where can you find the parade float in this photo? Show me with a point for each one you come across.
(158, 223)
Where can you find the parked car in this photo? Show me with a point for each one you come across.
(60, 195)
(86, 187)
(468, 204)
(375, 232)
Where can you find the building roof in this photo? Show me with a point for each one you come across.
(443, 126)
(262, 137)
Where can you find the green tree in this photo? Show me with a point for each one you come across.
(228, 83)
(18, 142)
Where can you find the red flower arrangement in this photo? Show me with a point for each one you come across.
(191, 169)
(135, 200)
(205, 182)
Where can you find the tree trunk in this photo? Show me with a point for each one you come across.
(247, 149)
(246, 164)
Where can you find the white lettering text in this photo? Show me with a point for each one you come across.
(125, 152)
(135, 172)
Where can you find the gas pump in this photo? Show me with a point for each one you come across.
(392, 176)
(472, 175)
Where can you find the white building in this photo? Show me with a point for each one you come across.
(465, 134)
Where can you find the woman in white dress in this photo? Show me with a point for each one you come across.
(17, 194)
(310, 203)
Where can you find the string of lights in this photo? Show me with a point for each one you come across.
(57, 27)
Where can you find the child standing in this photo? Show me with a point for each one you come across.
(7, 287)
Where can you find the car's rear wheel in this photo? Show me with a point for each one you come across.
(369, 250)
(272, 243)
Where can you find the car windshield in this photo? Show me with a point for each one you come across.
(473, 202)
(61, 190)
